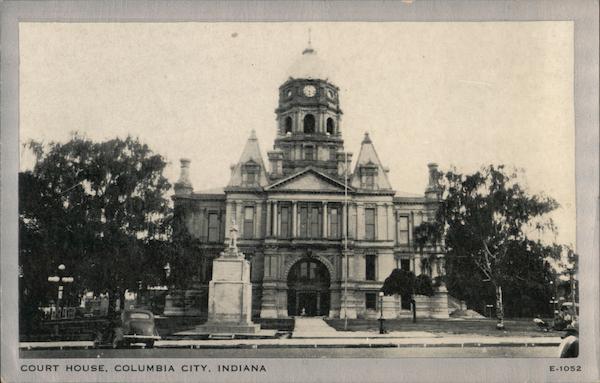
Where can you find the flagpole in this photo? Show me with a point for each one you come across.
(346, 240)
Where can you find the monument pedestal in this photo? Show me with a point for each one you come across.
(230, 296)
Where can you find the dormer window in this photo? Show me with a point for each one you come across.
(370, 180)
(250, 172)
(368, 173)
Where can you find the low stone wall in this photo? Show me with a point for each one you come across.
(435, 306)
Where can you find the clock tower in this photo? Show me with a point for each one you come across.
(308, 122)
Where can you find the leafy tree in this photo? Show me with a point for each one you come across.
(401, 282)
(99, 208)
(424, 285)
(404, 283)
(485, 218)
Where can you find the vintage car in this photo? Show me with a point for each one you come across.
(132, 326)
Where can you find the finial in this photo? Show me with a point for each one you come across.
(252, 134)
(309, 49)
(367, 139)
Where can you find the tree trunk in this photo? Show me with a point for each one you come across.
(499, 307)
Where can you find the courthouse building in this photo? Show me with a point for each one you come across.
(308, 254)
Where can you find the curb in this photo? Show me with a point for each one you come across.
(316, 345)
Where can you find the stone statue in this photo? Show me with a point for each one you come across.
(233, 235)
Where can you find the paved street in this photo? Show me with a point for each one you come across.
(388, 352)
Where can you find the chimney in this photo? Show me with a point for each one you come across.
(433, 187)
(183, 187)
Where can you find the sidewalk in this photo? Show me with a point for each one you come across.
(388, 340)
(311, 332)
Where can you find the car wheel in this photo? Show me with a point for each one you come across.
(150, 344)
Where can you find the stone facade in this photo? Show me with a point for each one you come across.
(321, 237)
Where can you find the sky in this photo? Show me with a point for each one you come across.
(459, 94)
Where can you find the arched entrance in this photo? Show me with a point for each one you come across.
(308, 288)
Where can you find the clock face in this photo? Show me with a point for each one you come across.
(309, 90)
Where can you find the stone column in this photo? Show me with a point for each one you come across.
(391, 222)
(325, 219)
(417, 265)
(257, 219)
(294, 219)
(351, 221)
(411, 226)
(275, 220)
(380, 222)
(360, 221)
(268, 226)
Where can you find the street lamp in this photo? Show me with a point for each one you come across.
(554, 300)
(60, 280)
(381, 320)
(167, 269)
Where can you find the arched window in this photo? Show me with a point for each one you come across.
(309, 124)
(288, 125)
(330, 126)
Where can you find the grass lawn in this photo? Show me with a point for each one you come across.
(513, 327)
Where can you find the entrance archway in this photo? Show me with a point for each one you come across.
(308, 288)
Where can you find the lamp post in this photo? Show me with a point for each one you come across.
(381, 320)
(554, 300)
(60, 279)
(167, 269)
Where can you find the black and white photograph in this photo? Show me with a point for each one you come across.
(214, 200)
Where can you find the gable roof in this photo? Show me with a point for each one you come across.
(367, 157)
(250, 154)
(309, 180)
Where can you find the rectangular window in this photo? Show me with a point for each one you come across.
(405, 264)
(285, 222)
(314, 222)
(304, 221)
(213, 227)
(370, 261)
(334, 223)
(371, 301)
(370, 181)
(248, 223)
(309, 153)
(370, 224)
(403, 230)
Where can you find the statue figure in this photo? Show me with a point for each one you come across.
(233, 235)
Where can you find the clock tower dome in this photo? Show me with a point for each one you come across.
(308, 121)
